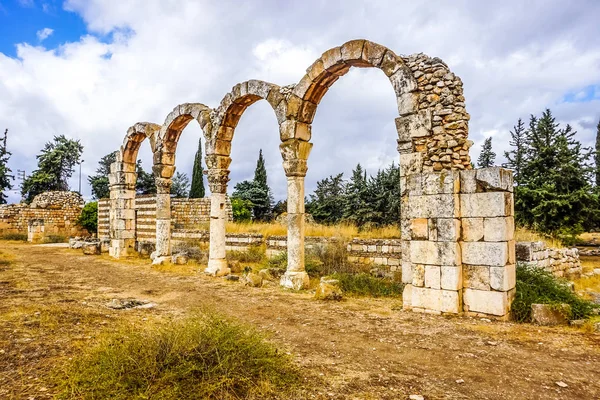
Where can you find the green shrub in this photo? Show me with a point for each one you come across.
(367, 285)
(203, 357)
(254, 254)
(89, 217)
(241, 209)
(537, 286)
(14, 236)
(55, 239)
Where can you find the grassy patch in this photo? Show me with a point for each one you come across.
(14, 236)
(340, 230)
(55, 239)
(367, 285)
(254, 254)
(204, 357)
(527, 235)
(536, 286)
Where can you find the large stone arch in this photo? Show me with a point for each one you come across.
(164, 167)
(220, 132)
(122, 180)
(432, 125)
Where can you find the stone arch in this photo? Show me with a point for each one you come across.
(432, 125)
(224, 120)
(122, 180)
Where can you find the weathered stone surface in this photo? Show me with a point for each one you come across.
(179, 259)
(472, 229)
(476, 277)
(435, 253)
(494, 179)
(485, 253)
(499, 229)
(486, 302)
(434, 206)
(491, 204)
(91, 248)
(253, 280)
(451, 278)
(433, 276)
(328, 289)
(550, 314)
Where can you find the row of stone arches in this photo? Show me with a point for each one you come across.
(432, 127)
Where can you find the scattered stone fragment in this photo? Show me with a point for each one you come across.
(460, 381)
(253, 280)
(122, 304)
(179, 259)
(416, 397)
(550, 314)
(91, 248)
(234, 278)
(577, 322)
(328, 289)
(561, 384)
(492, 343)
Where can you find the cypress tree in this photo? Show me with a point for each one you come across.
(197, 189)
(487, 157)
(5, 183)
(260, 173)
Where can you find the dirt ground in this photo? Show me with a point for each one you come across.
(52, 303)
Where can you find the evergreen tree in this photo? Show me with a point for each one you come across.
(145, 183)
(197, 189)
(5, 176)
(517, 158)
(180, 185)
(597, 157)
(99, 182)
(325, 203)
(356, 202)
(260, 173)
(55, 166)
(257, 191)
(487, 157)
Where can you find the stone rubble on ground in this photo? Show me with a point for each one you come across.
(550, 314)
(328, 289)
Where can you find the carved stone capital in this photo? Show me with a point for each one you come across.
(217, 180)
(295, 153)
(163, 185)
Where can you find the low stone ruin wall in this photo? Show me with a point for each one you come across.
(50, 213)
(376, 251)
(188, 217)
(560, 262)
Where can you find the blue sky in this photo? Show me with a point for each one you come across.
(515, 59)
(20, 21)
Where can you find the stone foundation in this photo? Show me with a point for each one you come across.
(560, 262)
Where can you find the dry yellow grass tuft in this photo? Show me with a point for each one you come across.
(526, 235)
(340, 230)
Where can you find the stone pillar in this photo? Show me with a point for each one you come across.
(163, 219)
(295, 154)
(218, 176)
(122, 209)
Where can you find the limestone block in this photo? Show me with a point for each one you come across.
(503, 278)
(414, 184)
(468, 183)
(253, 280)
(403, 81)
(419, 229)
(485, 253)
(435, 253)
(328, 289)
(441, 182)
(413, 125)
(418, 275)
(476, 277)
(546, 314)
(295, 280)
(494, 179)
(433, 206)
(499, 229)
(512, 258)
(373, 52)
(352, 51)
(444, 229)
(91, 248)
(472, 229)
(451, 301)
(432, 276)
(491, 204)
(407, 272)
(411, 163)
(429, 299)
(331, 57)
(451, 278)
(486, 302)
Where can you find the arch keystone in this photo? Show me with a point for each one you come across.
(352, 52)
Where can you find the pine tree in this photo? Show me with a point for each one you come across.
(356, 207)
(197, 189)
(517, 158)
(55, 166)
(597, 157)
(145, 184)
(5, 177)
(487, 157)
(260, 173)
(99, 182)
(324, 203)
(263, 205)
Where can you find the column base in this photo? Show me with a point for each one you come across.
(295, 280)
(217, 268)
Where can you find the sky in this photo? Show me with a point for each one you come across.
(89, 69)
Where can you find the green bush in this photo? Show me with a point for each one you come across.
(242, 209)
(14, 236)
(89, 217)
(367, 285)
(203, 357)
(537, 286)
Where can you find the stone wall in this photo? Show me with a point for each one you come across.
(188, 217)
(376, 251)
(560, 262)
(50, 213)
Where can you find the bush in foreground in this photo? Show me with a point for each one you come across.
(204, 357)
(537, 286)
(14, 236)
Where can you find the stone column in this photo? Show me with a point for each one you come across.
(217, 181)
(122, 209)
(295, 154)
(163, 219)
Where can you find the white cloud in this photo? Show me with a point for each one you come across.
(514, 59)
(43, 34)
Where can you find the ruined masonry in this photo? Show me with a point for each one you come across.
(457, 245)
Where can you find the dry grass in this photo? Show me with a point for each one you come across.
(341, 230)
(526, 235)
(589, 237)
